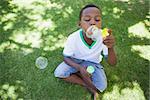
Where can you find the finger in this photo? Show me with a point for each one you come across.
(110, 36)
(87, 75)
(110, 31)
(109, 41)
(109, 44)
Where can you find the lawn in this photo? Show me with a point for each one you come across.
(33, 28)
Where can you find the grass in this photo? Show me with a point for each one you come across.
(29, 29)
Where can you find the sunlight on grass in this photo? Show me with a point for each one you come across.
(22, 3)
(134, 93)
(11, 92)
(67, 11)
(34, 16)
(8, 45)
(117, 12)
(147, 23)
(29, 4)
(58, 42)
(8, 26)
(123, 0)
(26, 51)
(34, 40)
(28, 38)
(36, 9)
(44, 24)
(13, 46)
(11, 18)
(139, 30)
(144, 51)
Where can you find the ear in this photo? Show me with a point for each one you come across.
(79, 24)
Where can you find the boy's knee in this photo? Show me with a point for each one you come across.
(63, 71)
(58, 73)
(102, 86)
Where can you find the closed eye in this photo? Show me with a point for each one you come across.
(87, 20)
(97, 20)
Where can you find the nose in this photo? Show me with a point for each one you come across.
(92, 22)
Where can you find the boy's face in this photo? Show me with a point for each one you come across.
(90, 16)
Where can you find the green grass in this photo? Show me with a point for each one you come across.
(40, 27)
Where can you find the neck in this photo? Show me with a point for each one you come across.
(88, 40)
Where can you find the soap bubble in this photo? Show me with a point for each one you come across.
(90, 69)
(41, 62)
(94, 33)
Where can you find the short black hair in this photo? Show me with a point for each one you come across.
(87, 6)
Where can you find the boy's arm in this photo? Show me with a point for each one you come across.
(109, 42)
(112, 59)
(70, 62)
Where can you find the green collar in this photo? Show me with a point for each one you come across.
(82, 38)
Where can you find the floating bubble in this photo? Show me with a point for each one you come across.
(41, 62)
(90, 69)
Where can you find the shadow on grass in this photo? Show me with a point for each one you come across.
(49, 23)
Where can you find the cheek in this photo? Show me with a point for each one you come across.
(99, 25)
(85, 26)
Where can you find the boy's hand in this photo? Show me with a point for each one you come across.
(83, 72)
(109, 41)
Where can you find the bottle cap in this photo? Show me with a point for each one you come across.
(105, 32)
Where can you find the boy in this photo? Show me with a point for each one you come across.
(81, 51)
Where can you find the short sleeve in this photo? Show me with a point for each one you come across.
(69, 46)
(105, 50)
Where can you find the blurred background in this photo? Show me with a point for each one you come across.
(33, 28)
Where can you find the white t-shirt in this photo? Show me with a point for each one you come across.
(76, 47)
